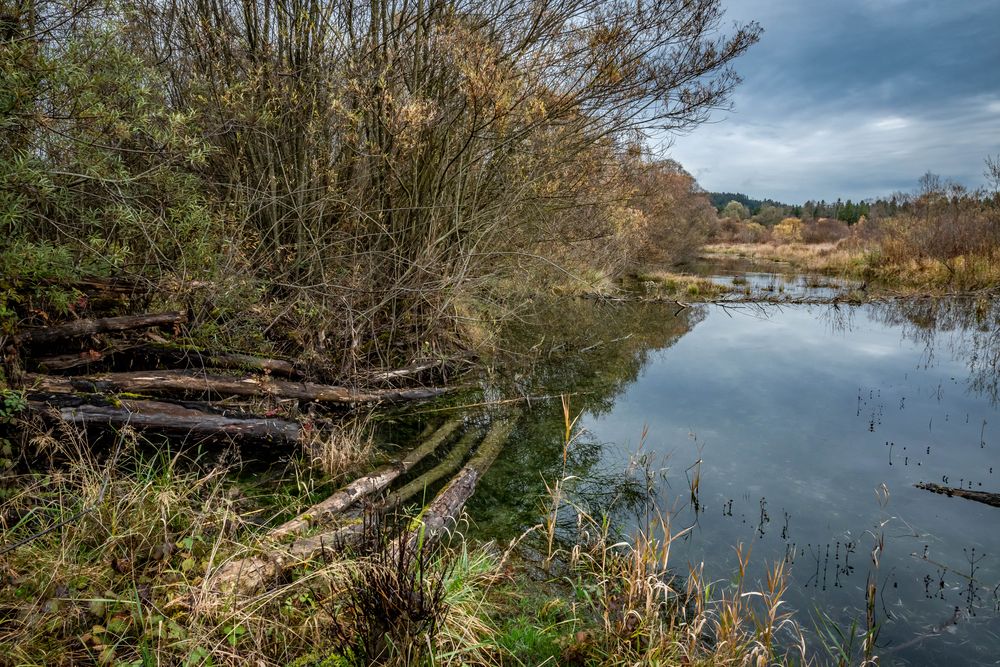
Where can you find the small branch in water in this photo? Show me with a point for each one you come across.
(601, 342)
(520, 399)
(992, 499)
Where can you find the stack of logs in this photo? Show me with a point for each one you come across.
(111, 372)
(337, 521)
(98, 373)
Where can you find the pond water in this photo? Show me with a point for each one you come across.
(811, 425)
(771, 280)
(782, 285)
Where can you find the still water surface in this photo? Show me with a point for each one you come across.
(798, 415)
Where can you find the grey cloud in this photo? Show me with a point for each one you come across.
(855, 99)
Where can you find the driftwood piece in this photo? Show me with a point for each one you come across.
(407, 371)
(992, 499)
(174, 420)
(442, 514)
(174, 381)
(364, 486)
(79, 328)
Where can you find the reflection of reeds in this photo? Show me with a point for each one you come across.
(694, 484)
(856, 644)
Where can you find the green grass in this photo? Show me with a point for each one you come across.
(121, 577)
(666, 284)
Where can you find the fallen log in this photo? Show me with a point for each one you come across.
(152, 356)
(43, 335)
(175, 381)
(248, 574)
(364, 486)
(441, 515)
(448, 465)
(246, 362)
(65, 362)
(992, 499)
(174, 420)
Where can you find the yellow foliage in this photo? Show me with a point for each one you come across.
(788, 230)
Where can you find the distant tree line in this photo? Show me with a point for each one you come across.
(769, 212)
(941, 221)
(720, 199)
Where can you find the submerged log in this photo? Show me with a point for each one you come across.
(442, 514)
(79, 328)
(248, 574)
(992, 499)
(178, 421)
(364, 486)
(174, 381)
(448, 465)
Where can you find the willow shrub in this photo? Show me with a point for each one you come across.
(352, 177)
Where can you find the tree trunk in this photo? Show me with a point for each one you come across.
(79, 328)
(364, 486)
(177, 421)
(249, 574)
(173, 381)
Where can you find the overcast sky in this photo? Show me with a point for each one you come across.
(855, 99)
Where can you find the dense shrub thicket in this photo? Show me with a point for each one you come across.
(374, 170)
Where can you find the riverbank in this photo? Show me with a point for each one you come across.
(122, 536)
(876, 266)
(110, 557)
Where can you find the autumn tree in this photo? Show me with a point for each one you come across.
(679, 215)
(735, 210)
(369, 166)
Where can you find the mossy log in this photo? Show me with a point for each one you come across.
(149, 356)
(364, 486)
(176, 381)
(992, 499)
(247, 362)
(442, 514)
(249, 574)
(448, 465)
(175, 421)
(45, 335)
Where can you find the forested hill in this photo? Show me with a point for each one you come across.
(720, 199)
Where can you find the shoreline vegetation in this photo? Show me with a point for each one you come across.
(229, 229)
